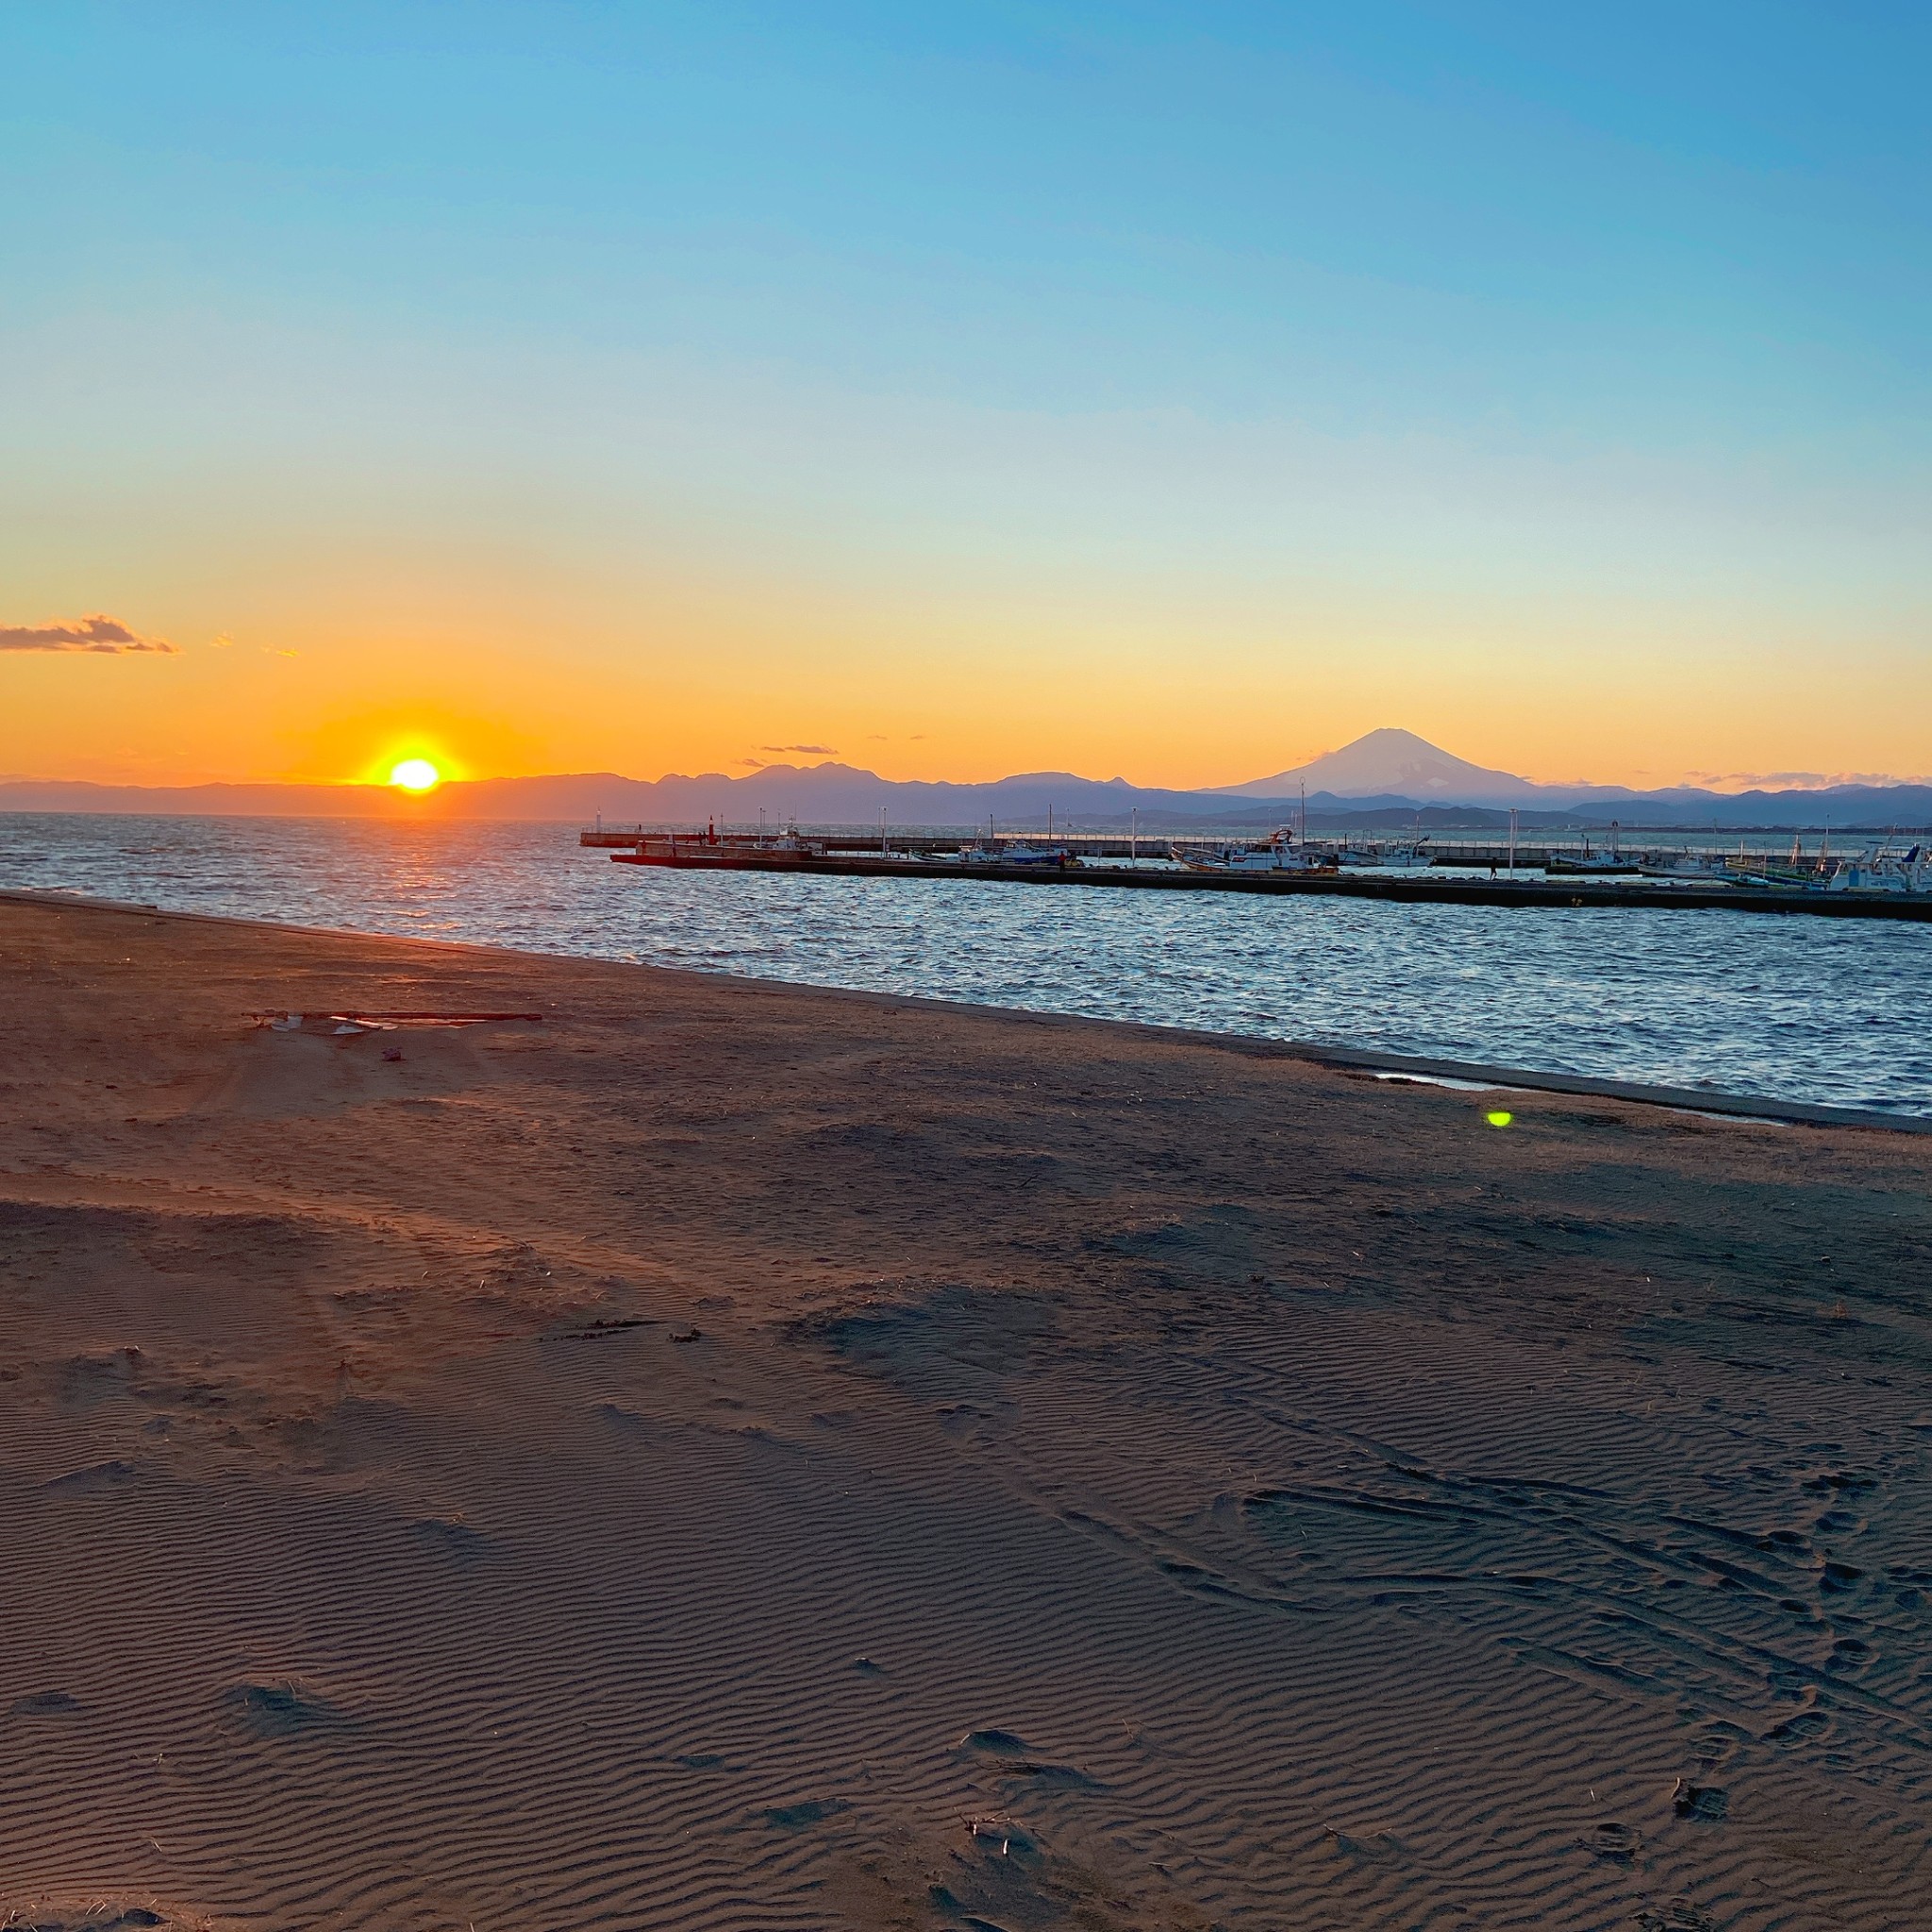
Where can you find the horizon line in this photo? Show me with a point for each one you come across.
(1233, 793)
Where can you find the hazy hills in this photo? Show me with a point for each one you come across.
(1388, 778)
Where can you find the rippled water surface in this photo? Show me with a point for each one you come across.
(1794, 1008)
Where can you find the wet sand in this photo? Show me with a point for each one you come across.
(730, 1456)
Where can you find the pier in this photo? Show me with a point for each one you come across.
(1443, 848)
(929, 844)
(919, 844)
(1416, 887)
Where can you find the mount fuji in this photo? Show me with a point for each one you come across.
(1395, 764)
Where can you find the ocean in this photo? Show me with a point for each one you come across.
(1792, 1009)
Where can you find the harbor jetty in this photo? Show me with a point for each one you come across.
(955, 858)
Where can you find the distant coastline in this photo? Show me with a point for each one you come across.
(840, 794)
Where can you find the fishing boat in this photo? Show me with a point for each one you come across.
(1404, 856)
(1793, 875)
(989, 851)
(788, 839)
(1707, 868)
(1594, 864)
(1779, 878)
(1018, 855)
(1609, 860)
(1282, 852)
(1880, 871)
(1591, 863)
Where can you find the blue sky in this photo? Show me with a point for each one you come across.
(991, 329)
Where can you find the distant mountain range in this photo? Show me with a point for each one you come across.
(1395, 762)
(1390, 777)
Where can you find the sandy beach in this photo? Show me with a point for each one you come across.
(724, 1455)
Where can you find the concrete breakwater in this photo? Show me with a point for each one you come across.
(1462, 849)
(1413, 887)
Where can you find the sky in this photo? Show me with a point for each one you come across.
(1175, 392)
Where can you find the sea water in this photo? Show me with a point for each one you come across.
(1789, 1007)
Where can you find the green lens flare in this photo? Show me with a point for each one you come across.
(1499, 1119)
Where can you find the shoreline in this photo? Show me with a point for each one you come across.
(1743, 1106)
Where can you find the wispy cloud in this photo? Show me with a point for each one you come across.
(817, 751)
(103, 636)
(1790, 781)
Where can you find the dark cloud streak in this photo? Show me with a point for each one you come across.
(99, 636)
(817, 751)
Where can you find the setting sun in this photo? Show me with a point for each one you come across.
(415, 774)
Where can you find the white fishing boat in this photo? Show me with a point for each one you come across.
(1282, 852)
(1878, 869)
(789, 840)
(1018, 855)
(1706, 867)
(1609, 859)
(990, 851)
(1402, 855)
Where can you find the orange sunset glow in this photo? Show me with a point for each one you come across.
(715, 681)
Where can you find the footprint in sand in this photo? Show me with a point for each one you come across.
(451, 1537)
(802, 1817)
(1679, 1915)
(89, 1917)
(1708, 1803)
(283, 1709)
(1015, 1759)
(101, 1478)
(1620, 1843)
(45, 1703)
